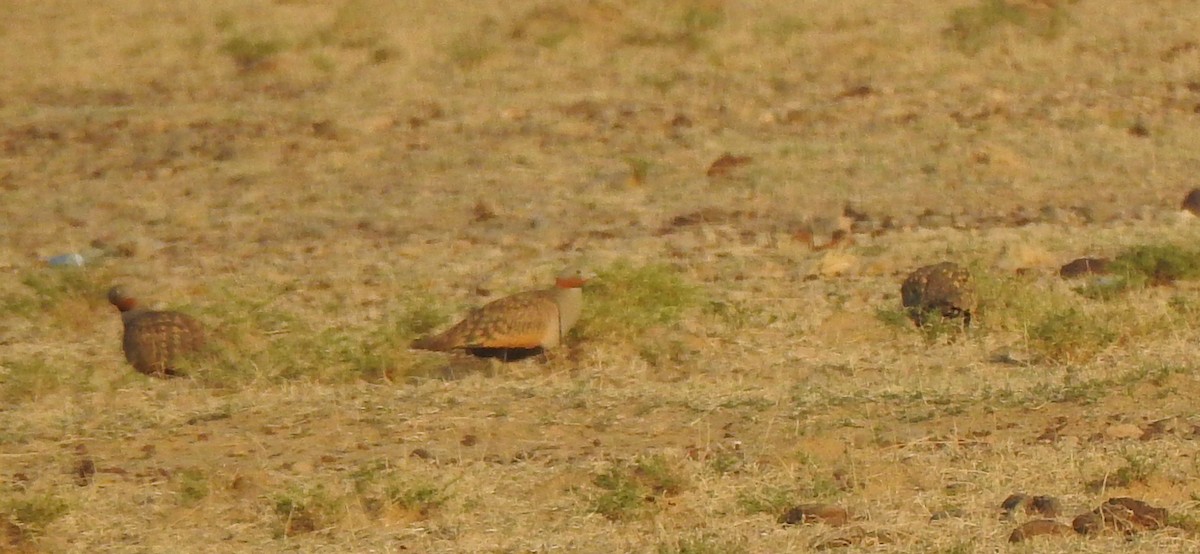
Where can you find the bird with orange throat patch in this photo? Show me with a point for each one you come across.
(516, 326)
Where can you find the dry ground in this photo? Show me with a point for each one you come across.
(321, 181)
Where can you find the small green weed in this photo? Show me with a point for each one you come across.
(471, 48)
(766, 500)
(628, 490)
(1156, 264)
(1137, 468)
(547, 25)
(688, 31)
(1070, 335)
(192, 484)
(379, 485)
(1144, 266)
(706, 543)
(304, 510)
(32, 513)
(622, 498)
(357, 24)
(29, 379)
(973, 28)
(252, 54)
(624, 300)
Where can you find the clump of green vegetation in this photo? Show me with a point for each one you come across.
(262, 340)
(689, 30)
(1070, 335)
(1137, 469)
(380, 486)
(30, 514)
(624, 300)
(67, 293)
(422, 498)
(252, 54)
(1187, 522)
(304, 510)
(470, 49)
(421, 315)
(357, 24)
(639, 170)
(547, 25)
(1055, 326)
(629, 490)
(894, 317)
(193, 486)
(766, 500)
(1144, 266)
(383, 355)
(29, 379)
(782, 28)
(1157, 264)
(707, 543)
(1185, 309)
(972, 28)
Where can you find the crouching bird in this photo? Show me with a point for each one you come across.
(518, 326)
(156, 341)
(943, 290)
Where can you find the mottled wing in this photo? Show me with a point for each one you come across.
(949, 288)
(520, 321)
(154, 341)
(912, 292)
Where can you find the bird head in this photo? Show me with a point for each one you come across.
(572, 277)
(121, 299)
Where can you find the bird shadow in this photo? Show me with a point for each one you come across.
(506, 354)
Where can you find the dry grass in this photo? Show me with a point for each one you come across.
(320, 182)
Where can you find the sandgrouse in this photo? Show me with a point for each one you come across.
(944, 289)
(516, 326)
(155, 341)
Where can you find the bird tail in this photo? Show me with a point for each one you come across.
(436, 343)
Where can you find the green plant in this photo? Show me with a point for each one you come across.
(659, 476)
(624, 300)
(896, 318)
(422, 497)
(304, 510)
(31, 513)
(251, 54)
(706, 543)
(1137, 469)
(357, 24)
(193, 486)
(627, 490)
(48, 290)
(1143, 266)
(1070, 335)
(766, 500)
(972, 28)
(622, 497)
(379, 485)
(470, 49)
(31, 378)
(689, 30)
(639, 169)
(1156, 264)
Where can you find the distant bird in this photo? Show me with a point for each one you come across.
(517, 326)
(1084, 266)
(944, 289)
(1191, 202)
(155, 341)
